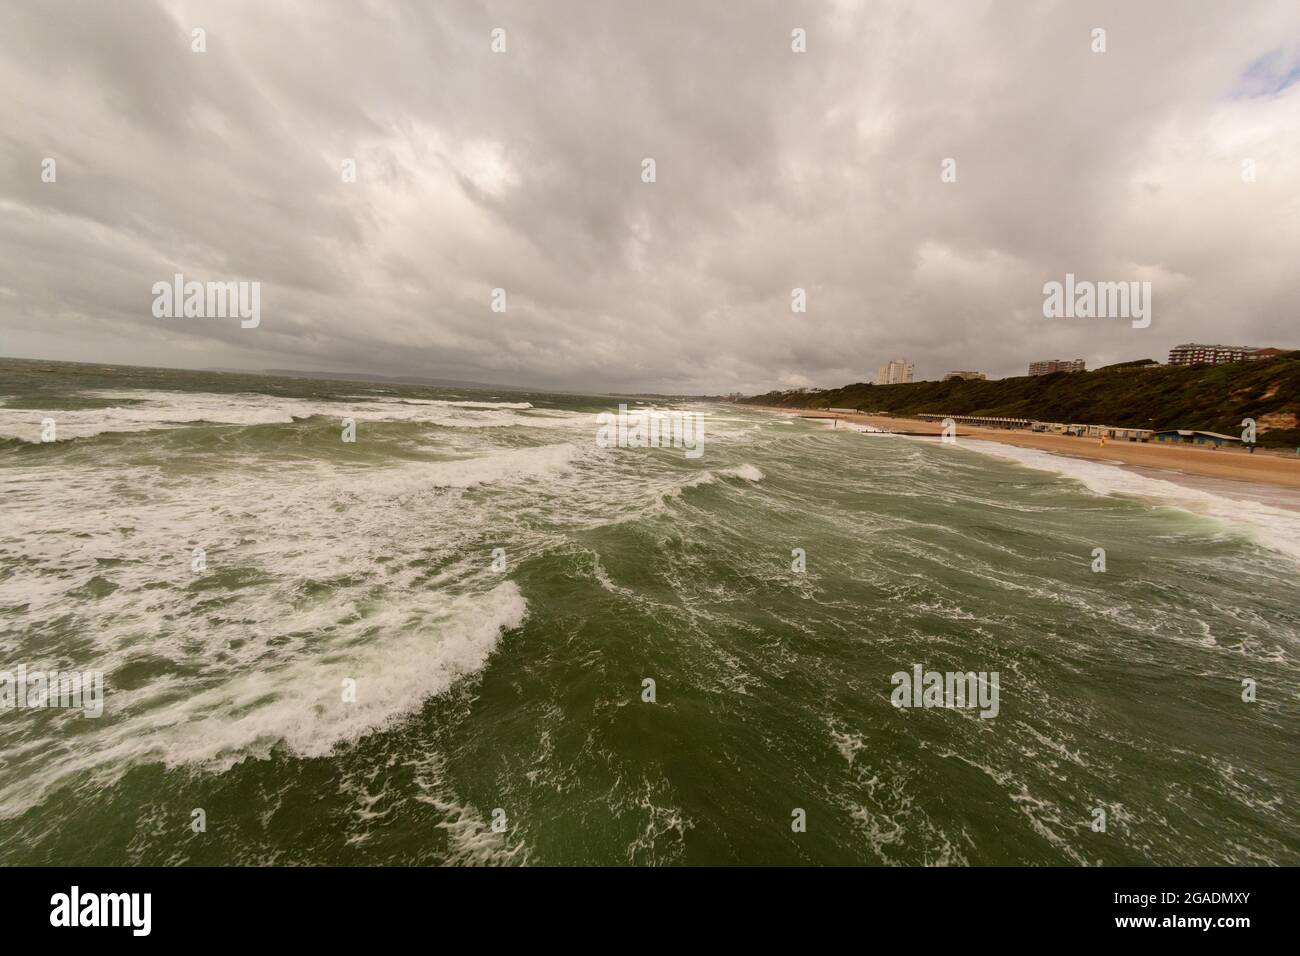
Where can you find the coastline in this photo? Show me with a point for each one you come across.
(1173, 462)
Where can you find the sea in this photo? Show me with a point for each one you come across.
(475, 636)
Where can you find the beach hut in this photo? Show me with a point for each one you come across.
(1194, 436)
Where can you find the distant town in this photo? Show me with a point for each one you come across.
(900, 371)
(1206, 394)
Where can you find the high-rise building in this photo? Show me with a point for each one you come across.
(1048, 366)
(897, 372)
(1194, 353)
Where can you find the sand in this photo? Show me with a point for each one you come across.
(1272, 467)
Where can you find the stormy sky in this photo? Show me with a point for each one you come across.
(522, 170)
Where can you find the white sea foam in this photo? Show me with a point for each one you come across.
(454, 403)
(1275, 528)
(523, 463)
(149, 410)
(399, 655)
(747, 472)
(373, 573)
(325, 571)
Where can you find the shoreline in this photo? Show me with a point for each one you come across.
(1273, 469)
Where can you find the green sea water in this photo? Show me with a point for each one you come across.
(497, 589)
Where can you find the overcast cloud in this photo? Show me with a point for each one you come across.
(522, 170)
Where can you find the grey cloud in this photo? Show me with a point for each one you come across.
(522, 171)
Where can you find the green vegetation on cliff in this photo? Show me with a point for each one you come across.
(1210, 397)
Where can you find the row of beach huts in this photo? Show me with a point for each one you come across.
(1179, 436)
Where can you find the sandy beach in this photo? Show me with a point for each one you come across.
(1280, 469)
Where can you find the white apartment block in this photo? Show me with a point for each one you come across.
(897, 372)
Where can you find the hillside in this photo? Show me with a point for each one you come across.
(1211, 397)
